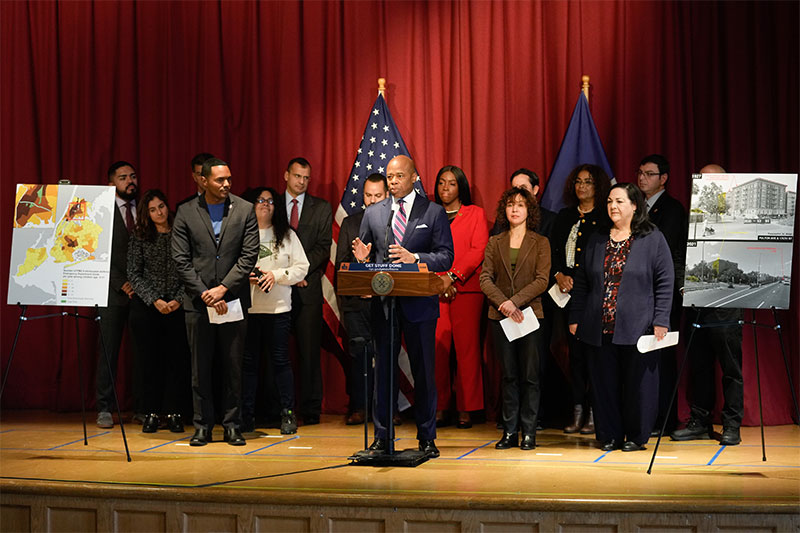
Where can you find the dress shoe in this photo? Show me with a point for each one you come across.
(356, 418)
(175, 423)
(288, 422)
(397, 419)
(150, 424)
(528, 442)
(610, 445)
(694, 430)
(730, 436)
(428, 447)
(464, 421)
(588, 428)
(577, 420)
(509, 440)
(234, 437)
(631, 446)
(104, 420)
(201, 437)
(441, 419)
(378, 445)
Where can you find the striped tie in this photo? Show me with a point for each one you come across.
(399, 225)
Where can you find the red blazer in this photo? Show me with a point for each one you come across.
(470, 234)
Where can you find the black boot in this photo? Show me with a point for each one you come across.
(577, 422)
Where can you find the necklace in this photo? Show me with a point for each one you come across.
(582, 212)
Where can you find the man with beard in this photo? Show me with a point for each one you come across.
(114, 317)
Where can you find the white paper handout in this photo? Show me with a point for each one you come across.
(648, 343)
(516, 331)
(560, 298)
(234, 313)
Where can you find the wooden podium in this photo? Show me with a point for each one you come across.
(387, 281)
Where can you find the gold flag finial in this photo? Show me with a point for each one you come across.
(585, 86)
(381, 86)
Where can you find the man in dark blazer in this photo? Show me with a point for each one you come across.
(356, 311)
(215, 246)
(114, 317)
(312, 220)
(407, 228)
(669, 216)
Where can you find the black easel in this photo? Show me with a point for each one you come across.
(390, 457)
(76, 315)
(696, 326)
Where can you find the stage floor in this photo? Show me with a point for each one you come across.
(564, 471)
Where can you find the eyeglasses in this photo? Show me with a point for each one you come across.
(649, 174)
(587, 183)
(268, 201)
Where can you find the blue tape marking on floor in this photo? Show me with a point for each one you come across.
(273, 444)
(716, 455)
(7, 430)
(164, 444)
(79, 440)
(598, 459)
(475, 449)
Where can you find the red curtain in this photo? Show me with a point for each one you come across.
(488, 86)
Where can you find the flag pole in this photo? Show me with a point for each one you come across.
(585, 86)
(382, 86)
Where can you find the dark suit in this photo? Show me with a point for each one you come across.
(314, 229)
(113, 317)
(643, 301)
(670, 217)
(427, 234)
(204, 262)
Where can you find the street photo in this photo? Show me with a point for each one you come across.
(749, 275)
(743, 207)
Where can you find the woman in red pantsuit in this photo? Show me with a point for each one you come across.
(461, 300)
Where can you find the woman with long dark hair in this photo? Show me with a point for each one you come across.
(156, 315)
(585, 193)
(515, 273)
(461, 300)
(623, 290)
(281, 263)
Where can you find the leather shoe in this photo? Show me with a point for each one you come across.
(175, 423)
(234, 437)
(610, 445)
(509, 440)
(588, 427)
(150, 424)
(378, 445)
(464, 420)
(397, 420)
(730, 436)
(528, 442)
(201, 437)
(429, 448)
(695, 430)
(356, 418)
(631, 446)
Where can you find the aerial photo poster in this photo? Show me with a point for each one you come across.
(61, 245)
(739, 251)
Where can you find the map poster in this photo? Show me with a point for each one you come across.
(61, 245)
(739, 251)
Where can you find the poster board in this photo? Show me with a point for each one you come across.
(61, 245)
(739, 248)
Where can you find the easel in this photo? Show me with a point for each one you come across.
(697, 325)
(24, 318)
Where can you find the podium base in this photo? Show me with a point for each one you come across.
(410, 458)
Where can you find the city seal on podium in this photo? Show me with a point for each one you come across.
(382, 283)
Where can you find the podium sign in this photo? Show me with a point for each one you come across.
(387, 279)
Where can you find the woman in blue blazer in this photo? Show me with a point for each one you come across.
(623, 290)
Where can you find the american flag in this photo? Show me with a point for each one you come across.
(379, 144)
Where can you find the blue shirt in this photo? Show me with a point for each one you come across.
(215, 211)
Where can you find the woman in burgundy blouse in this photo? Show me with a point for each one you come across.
(623, 290)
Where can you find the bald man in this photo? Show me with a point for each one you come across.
(725, 345)
(406, 228)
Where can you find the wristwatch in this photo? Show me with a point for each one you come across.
(452, 277)
(416, 258)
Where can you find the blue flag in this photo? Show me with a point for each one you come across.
(581, 145)
(379, 144)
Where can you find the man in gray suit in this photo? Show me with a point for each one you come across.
(215, 246)
(114, 317)
(312, 219)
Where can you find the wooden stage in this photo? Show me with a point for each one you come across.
(51, 481)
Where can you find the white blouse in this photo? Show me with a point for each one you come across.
(288, 264)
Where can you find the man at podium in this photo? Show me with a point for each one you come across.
(406, 228)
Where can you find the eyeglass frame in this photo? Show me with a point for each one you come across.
(268, 201)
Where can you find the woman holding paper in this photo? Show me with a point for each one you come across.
(623, 290)
(281, 263)
(515, 273)
(585, 193)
